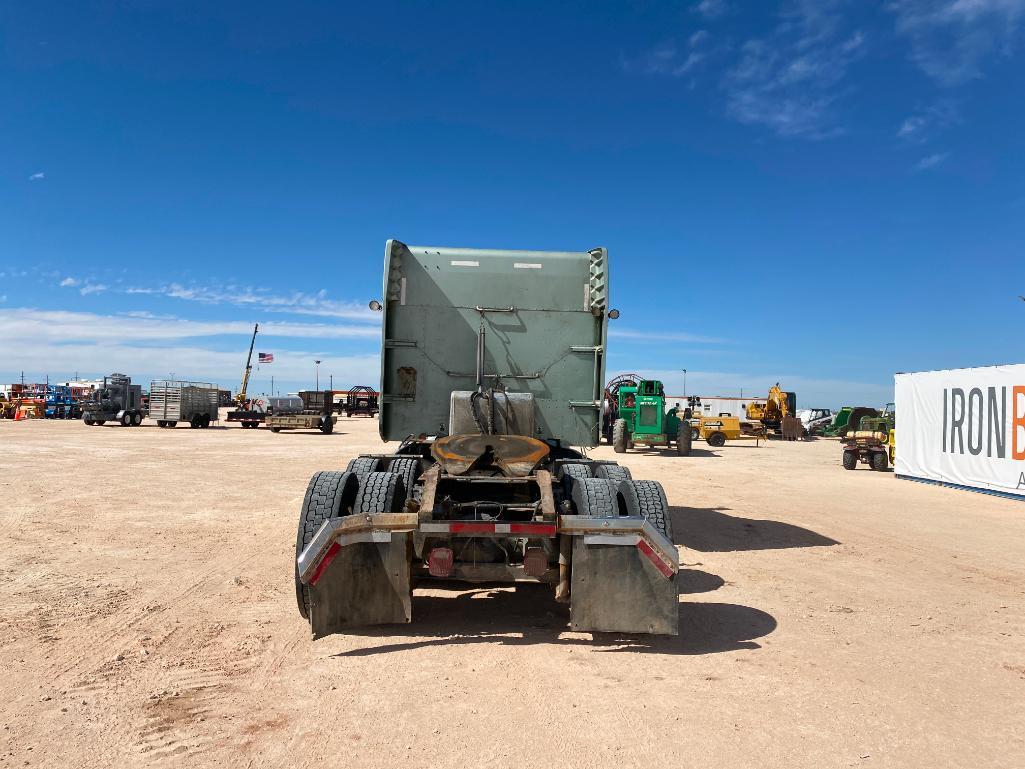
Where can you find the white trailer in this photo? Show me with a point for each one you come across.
(171, 402)
(717, 406)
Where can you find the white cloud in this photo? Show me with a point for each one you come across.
(61, 325)
(37, 176)
(68, 282)
(296, 302)
(710, 9)
(952, 39)
(926, 122)
(668, 59)
(92, 288)
(789, 80)
(659, 336)
(911, 126)
(931, 161)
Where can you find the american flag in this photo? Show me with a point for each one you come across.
(266, 357)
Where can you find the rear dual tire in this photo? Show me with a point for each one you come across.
(329, 495)
(601, 498)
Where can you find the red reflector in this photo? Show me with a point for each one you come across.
(440, 562)
(535, 562)
(325, 562)
(661, 565)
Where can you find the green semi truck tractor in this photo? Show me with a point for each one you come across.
(492, 371)
(644, 420)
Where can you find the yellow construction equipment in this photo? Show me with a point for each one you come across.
(777, 406)
(715, 431)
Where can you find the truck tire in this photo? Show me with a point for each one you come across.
(206, 421)
(683, 440)
(409, 469)
(575, 470)
(646, 499)
(100, 422)
(593, 497)
(879, 461)
(172, 424)
(695, 433)
(136, 419)
(850, 460)
(717, 439)
(126, 420)
(275, 429)
(327, 426)
(620, 438)
(330, 495)
(363, 465)
(615, 473)
(571, 471)
(380, 493)
(161, 423)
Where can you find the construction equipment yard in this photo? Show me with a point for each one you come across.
(827, 618)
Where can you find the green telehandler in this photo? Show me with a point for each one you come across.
(642, 419)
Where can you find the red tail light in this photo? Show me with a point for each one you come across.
(440, 562)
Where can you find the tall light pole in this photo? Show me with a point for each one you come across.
(318, 375)
(685, 384)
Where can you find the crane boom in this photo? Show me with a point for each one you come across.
(241, 397)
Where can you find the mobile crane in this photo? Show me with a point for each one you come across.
(249, 412)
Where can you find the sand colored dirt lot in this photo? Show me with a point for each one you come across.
(828, 619)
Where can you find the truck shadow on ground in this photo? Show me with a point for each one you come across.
(529, 615)
(711, 530)
(693, 453)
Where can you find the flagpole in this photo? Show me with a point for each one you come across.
(272, 384)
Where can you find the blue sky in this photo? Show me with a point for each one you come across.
(816, 193)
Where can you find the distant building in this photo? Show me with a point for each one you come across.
(715, 406)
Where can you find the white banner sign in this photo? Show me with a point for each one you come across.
(963, 426)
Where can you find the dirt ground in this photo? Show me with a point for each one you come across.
(828, 619)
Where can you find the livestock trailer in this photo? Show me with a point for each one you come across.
(173, 401)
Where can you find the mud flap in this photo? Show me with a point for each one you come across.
(365, 583)
(357, 571)
(619, 585)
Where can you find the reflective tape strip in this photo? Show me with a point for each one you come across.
(325, 562)
(468, 528)
(666, 568)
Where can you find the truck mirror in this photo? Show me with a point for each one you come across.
(375, 306)
(613, 314)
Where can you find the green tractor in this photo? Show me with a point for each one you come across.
(641, 418)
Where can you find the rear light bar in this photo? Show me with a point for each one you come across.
(489, 529)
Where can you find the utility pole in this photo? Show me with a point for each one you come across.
(271, 384)
(317, 387)
(331, 379)
(685, 384)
